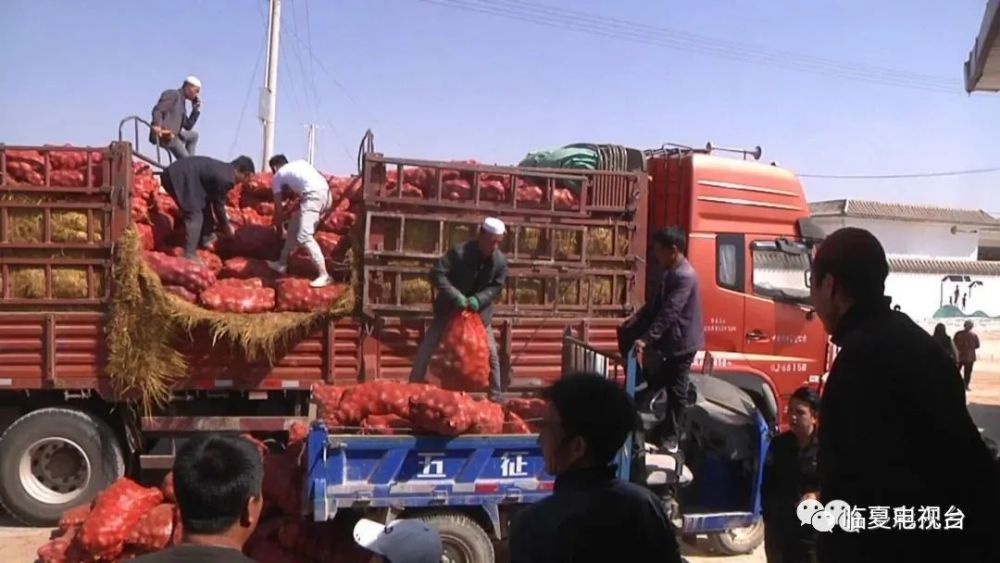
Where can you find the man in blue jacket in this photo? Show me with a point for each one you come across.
(468, 277)
(673, 330)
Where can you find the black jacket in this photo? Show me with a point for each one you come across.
(673, 324)
(593, 517)
(789, 473)
(895, 432)
(464, 270)
(197, 182)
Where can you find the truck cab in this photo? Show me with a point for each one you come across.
(749, 240)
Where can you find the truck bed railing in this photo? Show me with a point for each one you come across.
(136, 124)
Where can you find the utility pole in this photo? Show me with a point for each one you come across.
(269, 93)
(311, 143)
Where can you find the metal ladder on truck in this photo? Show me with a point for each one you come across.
(158, 163)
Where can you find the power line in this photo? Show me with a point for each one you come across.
(664, 38)
(246, 100)
(901, 176)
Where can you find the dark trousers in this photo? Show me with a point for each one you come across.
(198, 225)
(967, 372)
(674, 375)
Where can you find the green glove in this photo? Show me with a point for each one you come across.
(474, 304)
(461, 301)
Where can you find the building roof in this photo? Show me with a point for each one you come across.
(899, 264)
(940, 266)
(982, 69)
(901, 212)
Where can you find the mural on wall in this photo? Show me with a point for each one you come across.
(959, 298)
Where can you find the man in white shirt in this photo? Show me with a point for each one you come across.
(302, 179)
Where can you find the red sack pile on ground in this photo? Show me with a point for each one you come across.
(154, 531)
(181, 292)
(167, 488)
(463, 358)
(180, 271)
(74, 517)
(294, 294)
(233, 298)
(115, 512)
(63, 549)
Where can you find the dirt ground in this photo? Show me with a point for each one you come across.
(18, 544)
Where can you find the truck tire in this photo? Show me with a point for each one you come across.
(54, 459)
(462, 539)
(738, 541)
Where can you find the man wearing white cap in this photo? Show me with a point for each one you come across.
(468, 277)
(401, 541)
(172, 127)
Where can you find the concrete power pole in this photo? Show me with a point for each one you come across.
(311, 143)
(269, 93)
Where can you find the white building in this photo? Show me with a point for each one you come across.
(937, 273)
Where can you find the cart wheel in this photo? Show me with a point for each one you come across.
(462, 539)
(738, 541)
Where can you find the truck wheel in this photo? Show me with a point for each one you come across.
(55, 459)
(738, 541)
(462, 539)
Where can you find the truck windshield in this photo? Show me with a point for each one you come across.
(781, 270)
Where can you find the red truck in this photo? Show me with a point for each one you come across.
(66, 433)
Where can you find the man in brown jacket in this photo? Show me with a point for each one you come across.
(967, 343)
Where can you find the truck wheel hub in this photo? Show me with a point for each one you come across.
(54, 470)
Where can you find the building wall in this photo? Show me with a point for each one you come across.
(912, 238)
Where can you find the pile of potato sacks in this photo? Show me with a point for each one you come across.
(233, 275)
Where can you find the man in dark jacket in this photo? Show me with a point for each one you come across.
(671, 326)
(468, 277)
(591, 515)
(895, 440)
(199, 185)
(173, 128)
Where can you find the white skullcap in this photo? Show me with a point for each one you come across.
(494, 226)
(193, 80)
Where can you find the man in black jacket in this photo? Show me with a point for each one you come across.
(895, 439)
(172, 127)
(468, 277)
(671, 326)
(591, 515)
(199, 185)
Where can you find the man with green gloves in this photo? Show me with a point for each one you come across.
(468, 277)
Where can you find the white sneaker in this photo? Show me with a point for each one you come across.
(277, 266)
(321, 281)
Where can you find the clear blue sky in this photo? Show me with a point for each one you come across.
(439, 82)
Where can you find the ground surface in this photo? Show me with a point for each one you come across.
(18, 544)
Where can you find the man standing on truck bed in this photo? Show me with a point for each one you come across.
(671, 325)
(591, 516)
(468, 277)
(895, 433)
(199, 185)
(302, 179)
(172, 127)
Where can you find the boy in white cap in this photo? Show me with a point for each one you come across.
(401, 541)
(172, 127)
(468, 277)
(300, 178)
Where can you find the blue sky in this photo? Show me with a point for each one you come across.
(438, 82)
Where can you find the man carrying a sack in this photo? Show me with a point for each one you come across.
(467, 278)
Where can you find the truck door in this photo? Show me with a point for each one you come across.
(783, 339)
